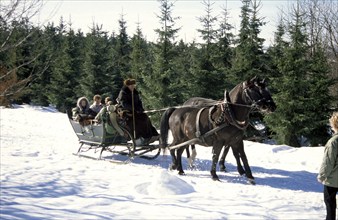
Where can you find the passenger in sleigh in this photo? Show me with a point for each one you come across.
(144, 130)
(82, 113)
(108, 101)
(97, 105)
(109, 117)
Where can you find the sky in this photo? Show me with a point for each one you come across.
(83, 14)
(40, 178)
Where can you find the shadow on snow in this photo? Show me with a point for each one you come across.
(275, 178)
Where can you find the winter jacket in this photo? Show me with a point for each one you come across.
(103, 116)
(328, 173)
(125, 100)
(96, 108)
(80, 113)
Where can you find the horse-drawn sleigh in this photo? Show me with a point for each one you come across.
(206, 122)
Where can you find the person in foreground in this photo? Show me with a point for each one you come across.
(328, 173)
(130, 101)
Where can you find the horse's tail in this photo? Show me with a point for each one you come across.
(164, 129)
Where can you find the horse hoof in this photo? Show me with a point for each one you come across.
(216, 179)
(223, 169)
(251, 181)
(181, 173)
(173, 167)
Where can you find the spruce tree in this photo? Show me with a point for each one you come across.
(123, 50)
(222, 56)
(320, 100)
(205, 73)
(301, 86)
(249, 59)
(60, 90)
(182, 62)
(76, 53)
(163, 82)
(141, 64)
(120, 60)
(97, 76)
(276, 51)
(40, 85)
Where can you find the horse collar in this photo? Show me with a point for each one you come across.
(198, 131)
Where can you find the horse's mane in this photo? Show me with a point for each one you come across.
(235, 93)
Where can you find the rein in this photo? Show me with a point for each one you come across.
(253, 104)
(206, 105)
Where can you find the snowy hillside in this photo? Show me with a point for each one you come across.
(42, 179)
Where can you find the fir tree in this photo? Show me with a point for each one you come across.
(60, 91)
(141, 64)
(163, 82)
(122, 50)
(97, 76)
(222, 56)
(320, 100)
(183, 60)
(301, 87)
(76, 52)
(39, 87)
(249, 59)
(204, 71)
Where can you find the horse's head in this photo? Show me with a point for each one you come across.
(256, 93)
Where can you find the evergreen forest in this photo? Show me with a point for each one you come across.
(55, 64)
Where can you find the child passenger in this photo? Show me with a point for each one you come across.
(97, 105)
(82, 111)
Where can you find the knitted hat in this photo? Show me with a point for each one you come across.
(129, 82)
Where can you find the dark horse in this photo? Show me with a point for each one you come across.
(218, 125)
(198, 101)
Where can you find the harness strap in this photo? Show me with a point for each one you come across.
(211, 111)
(234, 122)
(194, 140)
(198, 131)
(231, 118)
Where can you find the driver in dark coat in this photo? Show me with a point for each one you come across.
(143, 127)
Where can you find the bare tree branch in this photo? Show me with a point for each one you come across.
(14, 11)
(13, 15)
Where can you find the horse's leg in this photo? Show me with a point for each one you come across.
(238, 162)
(192, 157)
(179, 160)
(188, 152)
(174, 164)
(221, 162)
(216, 150)
(244, 159)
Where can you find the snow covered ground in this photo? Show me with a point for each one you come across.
(42, 179)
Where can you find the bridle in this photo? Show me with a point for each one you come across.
(226, 110)
(254, 104)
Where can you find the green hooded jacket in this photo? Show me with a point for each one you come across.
(328, 173)
(103, 116)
